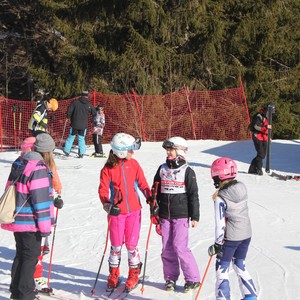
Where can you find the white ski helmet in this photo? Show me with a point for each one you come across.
(178, 143)
(121, 143)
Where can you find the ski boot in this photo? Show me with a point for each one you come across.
(41, 286)
(113, 278)
(133, 277)
(189, 285)
(170, 285)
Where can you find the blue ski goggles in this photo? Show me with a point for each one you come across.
(135, 146)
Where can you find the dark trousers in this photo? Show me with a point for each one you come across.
(97, 143)
(28, 248)
(261, 149)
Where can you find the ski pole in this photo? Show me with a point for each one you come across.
(52, 247)
(271, 110)
(203, 278)
(104, 251)
(14, 117)
(60, 142)
(154, 194)
(20, 123)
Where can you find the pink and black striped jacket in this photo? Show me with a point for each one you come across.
(35, 186)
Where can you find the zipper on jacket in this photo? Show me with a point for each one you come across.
(169, 204)
(125, 186)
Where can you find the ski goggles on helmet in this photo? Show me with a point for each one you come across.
(135, 146)
(171, 145)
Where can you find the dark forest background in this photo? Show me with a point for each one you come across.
(155, 47)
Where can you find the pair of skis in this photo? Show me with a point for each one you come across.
(284, 177)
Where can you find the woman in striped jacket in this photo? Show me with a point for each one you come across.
(34, 204)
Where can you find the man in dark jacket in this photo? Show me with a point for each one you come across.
(78, 114)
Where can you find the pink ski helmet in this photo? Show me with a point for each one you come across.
(223, 168)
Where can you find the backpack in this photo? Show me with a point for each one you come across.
(8, 204)
(9, 197)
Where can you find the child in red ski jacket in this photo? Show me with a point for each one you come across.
(120, 180)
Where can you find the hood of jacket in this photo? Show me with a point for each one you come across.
(236, 193)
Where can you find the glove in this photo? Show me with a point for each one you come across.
(149, 200)
(58, 202)
(113, 210)
(154, 220)
(107, 207)
(158, 229)
(154, 210)
(214, 249)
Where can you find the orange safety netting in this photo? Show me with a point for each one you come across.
(191, 114)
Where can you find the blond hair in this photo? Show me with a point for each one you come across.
(49, 159)
(216, 193)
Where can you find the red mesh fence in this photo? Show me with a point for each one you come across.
(216, 115)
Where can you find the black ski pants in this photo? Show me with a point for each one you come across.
(97, 143)
(28, 248)
(261, 149)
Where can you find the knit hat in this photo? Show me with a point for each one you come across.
(44, 143)
(28, 144)
(85, 93)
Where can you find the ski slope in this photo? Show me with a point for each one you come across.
(273, 257)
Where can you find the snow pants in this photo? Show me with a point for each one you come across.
(125, 228)
(236, 252)
(28, 247)
(97, 143)
(175, 251)
(81, 140)
(261, 149)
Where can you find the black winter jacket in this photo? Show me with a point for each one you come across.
(185, 205)
(78, 112)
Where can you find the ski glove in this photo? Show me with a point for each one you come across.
(107, 207)
(155, 220)
(149, 200)
(58, 202)
(214, 249)
(113, 210)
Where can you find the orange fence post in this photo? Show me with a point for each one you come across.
(245, 100)
(190, 111)
(140, 116)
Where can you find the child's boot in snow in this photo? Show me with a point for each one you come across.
(133, 277)
(113, 278)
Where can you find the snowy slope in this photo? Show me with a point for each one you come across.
(274, 254)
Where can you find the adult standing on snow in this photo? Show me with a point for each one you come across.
(38, 122)
(120, 180)
(178, 201)
(34, 203)
(259, 127)
(233, 229)
(78, 114)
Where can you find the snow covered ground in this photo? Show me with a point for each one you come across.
(274, 254)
